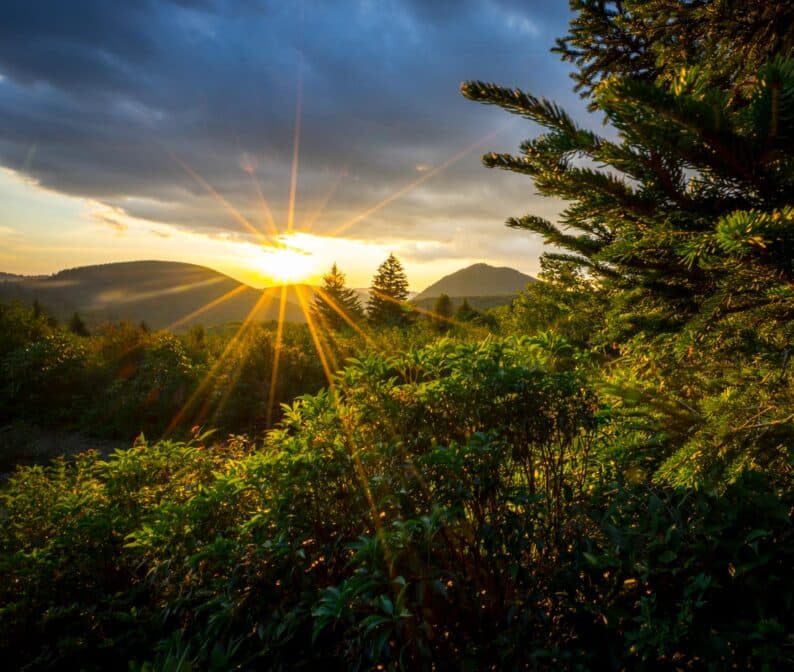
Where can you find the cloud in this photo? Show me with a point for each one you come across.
(119, 98)
(111, 217)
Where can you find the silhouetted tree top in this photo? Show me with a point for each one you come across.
(77, 326)
(388, 294)
(335, 305)
(443, 313)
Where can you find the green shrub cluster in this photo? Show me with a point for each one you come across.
(444, 506)
(124, 380)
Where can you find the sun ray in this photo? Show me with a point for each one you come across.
(207, 306)
(282, 306)
(349, 320)
(244, 343)
(320, 328)
(317, 212)
(293, 182)
(313, 331)
(354, 456)
(124, 296)
(221, 361)
(269, 220)
(235, 214)
(414, 183)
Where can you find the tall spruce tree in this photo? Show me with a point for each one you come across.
(686, 223)
(388, 294)
(335, 299)
(77, 325)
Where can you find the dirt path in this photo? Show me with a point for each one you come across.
(22, 444)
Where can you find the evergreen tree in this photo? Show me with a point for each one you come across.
(686, 223)
(334, 298)
(443, 313)
(387, 296)
(39, 313)
(77, 326)
(465, 312)
(693, 209)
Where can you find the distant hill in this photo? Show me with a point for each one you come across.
(479, 280)
(161, 293)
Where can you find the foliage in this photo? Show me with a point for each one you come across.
(612, 491)
(563, 301)
(19, 326)
(653, 41)
(686, 229)
(444, 505)
(45, 379)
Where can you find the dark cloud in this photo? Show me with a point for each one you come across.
(117, 97)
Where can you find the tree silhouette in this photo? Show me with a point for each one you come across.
(77, 326)
(335, 298)
(388, 295)
(443, 313)
(465, 312)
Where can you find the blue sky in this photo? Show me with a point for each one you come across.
(156, 128)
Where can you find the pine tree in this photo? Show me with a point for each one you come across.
(685, 222)
(387, 296)
(465, 312)
(691, 215)
(334, 298)
(443, 313)
(39, 313)
(77, 326)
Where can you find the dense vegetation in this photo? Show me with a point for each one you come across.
(124, 380)
(604, 484)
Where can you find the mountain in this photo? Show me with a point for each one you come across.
(479, 280)
(161, 293)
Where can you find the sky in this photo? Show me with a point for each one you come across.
(183, 130)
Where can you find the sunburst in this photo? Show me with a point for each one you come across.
(280, 259)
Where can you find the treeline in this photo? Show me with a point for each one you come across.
(124, 379)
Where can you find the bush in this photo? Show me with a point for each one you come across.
(45, 380)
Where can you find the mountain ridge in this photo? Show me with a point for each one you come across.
(164, 294)
(479, 279)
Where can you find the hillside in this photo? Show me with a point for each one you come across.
(481, 303)
(161, 293)
(478, 280)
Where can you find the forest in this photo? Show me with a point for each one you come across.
(595, 477)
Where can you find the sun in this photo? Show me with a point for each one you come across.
(285, 265)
